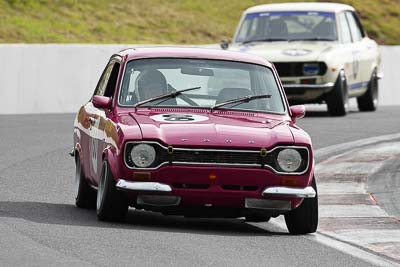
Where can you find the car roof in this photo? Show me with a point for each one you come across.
(191, 52)
(318, 7)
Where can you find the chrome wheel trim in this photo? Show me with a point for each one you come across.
(344, 92)
(374, 88)
(78, 172)
(100, 189)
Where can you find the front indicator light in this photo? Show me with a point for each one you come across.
(289, 160)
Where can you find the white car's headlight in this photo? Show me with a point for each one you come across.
(289, 160)
(143, 155)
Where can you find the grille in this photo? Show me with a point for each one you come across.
(216, 157)
(295, 69)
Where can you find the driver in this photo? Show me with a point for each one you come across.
(151, 83)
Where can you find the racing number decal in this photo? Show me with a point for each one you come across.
(94, 144)
(356, 63)
(178, 117)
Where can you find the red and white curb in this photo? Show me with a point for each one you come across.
(351, 219)
(347, 210)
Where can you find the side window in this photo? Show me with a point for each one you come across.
(101, 86)
(344, 26)
(354, 29)
(112, 81)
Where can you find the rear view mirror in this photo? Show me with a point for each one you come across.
(102, 102)
(197, 71)
(298, 112)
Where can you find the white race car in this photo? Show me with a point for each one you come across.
(320, 51)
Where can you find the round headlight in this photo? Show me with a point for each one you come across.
(289, 160)
(143, 155)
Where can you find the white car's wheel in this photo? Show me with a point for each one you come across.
(337, 99)
(85, 196)
(304, 219)
(369, 100)
(111, 204)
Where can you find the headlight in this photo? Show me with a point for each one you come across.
(143, 155)
(289, 160)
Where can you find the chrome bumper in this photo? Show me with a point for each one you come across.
(310, 86)
(142, 186)
(278, 191)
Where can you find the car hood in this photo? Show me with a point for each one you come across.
(287, 51)
(199, 128)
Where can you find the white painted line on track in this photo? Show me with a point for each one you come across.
(364, 237)
(341, 188)
(336, 149)
(340, 245)
(351, 211)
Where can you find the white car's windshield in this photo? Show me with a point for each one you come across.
(287, 26)
(200, 83)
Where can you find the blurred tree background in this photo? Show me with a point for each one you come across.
(156, 21)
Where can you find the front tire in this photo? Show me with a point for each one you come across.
(85, 196)
(304, 219)
(111, 204)
(369, 100)
(337, 99)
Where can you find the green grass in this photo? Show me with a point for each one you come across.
(156, 21)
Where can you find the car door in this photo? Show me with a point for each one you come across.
(359, 54)
(98, 118)
(345, 53)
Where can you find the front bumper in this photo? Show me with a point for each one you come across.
(277, 199)
(275, 191)
(306, 93)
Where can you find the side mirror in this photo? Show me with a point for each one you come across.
(298, 112)
(224, 44)
(102, 102)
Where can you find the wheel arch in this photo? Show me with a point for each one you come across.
(110, 155)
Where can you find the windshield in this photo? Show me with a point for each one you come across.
(203, 83)
(288, 25)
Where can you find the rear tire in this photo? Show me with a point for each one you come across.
(337, 99)
(304, 219)
(111, 204)
(85, 196)
(369, 100)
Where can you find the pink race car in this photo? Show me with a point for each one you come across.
(194, 132)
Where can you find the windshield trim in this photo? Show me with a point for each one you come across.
(274, 73)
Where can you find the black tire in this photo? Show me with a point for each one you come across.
(111, 204)
(337, 98)
(304, 219)
(256, 217)
(369, 100)
(85, 196)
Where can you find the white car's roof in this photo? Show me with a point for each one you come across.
(320, 7)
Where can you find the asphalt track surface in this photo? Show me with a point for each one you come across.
(39, 224)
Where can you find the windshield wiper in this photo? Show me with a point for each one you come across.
(169, 95)
(264, 40)
(312, 39)
(239, 100)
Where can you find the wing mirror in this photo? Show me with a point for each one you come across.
(298, 112)
(102, 102)
(224, 44)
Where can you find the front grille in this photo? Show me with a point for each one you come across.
(216, 157)
(295, 69)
